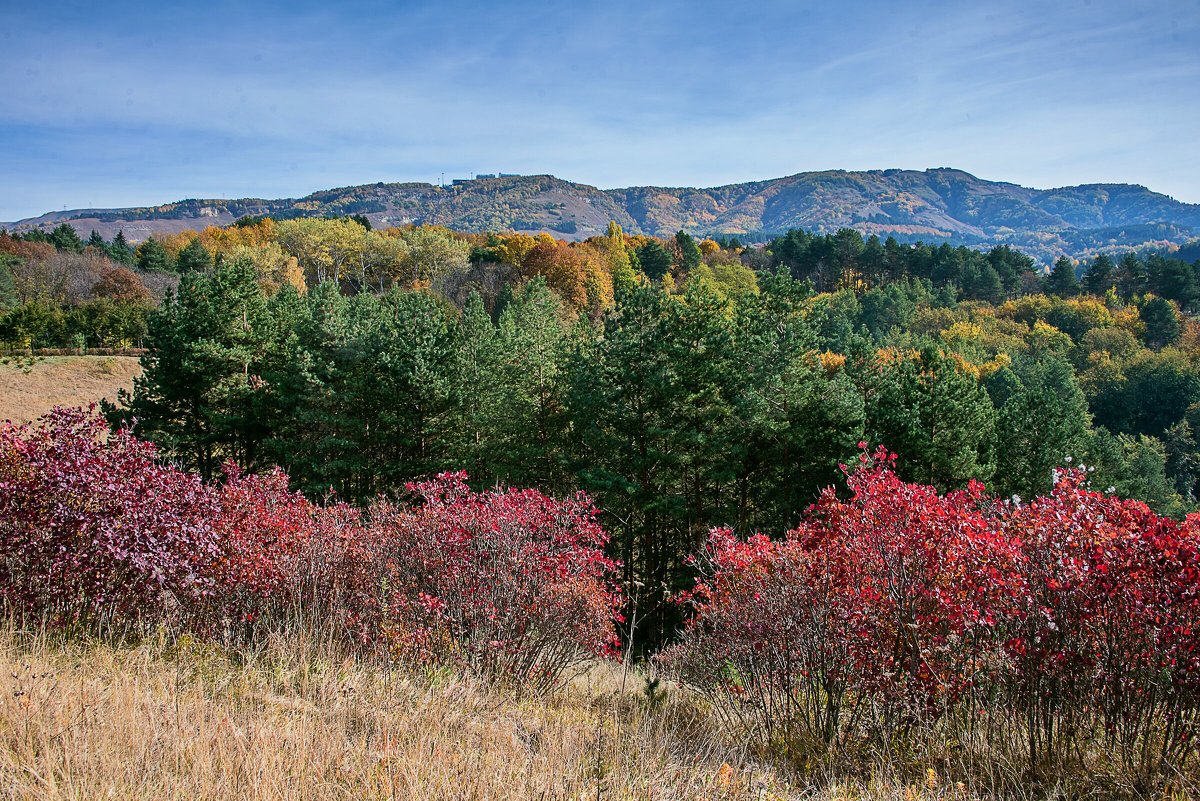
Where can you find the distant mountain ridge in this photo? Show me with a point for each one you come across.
(935, 205)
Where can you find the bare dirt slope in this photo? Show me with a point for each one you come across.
(27, 392)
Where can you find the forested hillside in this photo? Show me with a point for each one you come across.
(728, 452)
(932, 205)
(685, 384)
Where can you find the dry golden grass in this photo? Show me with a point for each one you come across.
(292, 720)
(29, 391)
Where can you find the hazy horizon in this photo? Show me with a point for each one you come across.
(150, 104)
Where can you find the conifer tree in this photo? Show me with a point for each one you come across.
(194, 258)
(689, 251)
(1162, 320)
(475, 393)
(1099, 277)
(1062, 281)
(1042, 423)
(120, 251)
(794, 419)
(196, 398)
(64, 237)
(152, 257)
(933, 415)
(654, 260)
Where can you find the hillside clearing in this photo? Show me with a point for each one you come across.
(29, 391)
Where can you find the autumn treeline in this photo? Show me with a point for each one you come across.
(689, 400)
(685, 383)
(47, 280)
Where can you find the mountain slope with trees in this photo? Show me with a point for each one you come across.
(932, 205)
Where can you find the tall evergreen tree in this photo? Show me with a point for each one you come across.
(655, 260)
(64, 237)
(475, 393)
(152, 257)
(196, 398)
(1062, 281)
(1100, 276)
(689, 251)
(649, 401)
(1131, 276)
(194, 258)
(933, 415)
(1172, 279)
(1162, 321)
(531, 381)
(1012, 266)
(1041, 424)
(120, 251)
(794, 419)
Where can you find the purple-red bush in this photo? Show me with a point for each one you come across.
(510, 583)
(1108, 626)
(924, 579)
(93, 530)
(884, 606)
(766, 642)
(283, 557)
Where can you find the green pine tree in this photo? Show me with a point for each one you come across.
(64, 237)
(197, 398)
(152, 257)
(120, 251)
(1042, 423)
(654, 260)
(689, 251)
(1062, 281)
(933, 415)
(194, 258)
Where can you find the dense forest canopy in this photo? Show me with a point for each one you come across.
(684, 383)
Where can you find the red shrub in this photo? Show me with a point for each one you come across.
(1071, 619)
(93, 530)
(892, 597)
(282, 556)
(925, 580)
(1107, 626)
(510, 583)
(766, 642)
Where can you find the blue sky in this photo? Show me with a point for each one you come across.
(125, 104)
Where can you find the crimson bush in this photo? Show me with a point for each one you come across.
(1105, 635)
(95, 532)
(282, 557)
(509, 583)
(1066, 624)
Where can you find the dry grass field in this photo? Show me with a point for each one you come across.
(293, 720)
(28, 391)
